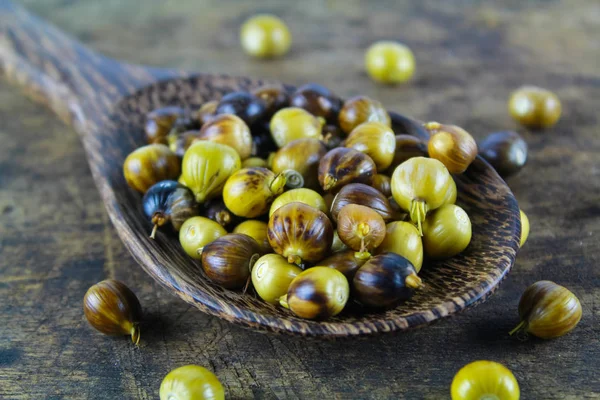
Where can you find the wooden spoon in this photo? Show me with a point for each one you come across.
(106, 102)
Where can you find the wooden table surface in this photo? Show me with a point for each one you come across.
(56, 239)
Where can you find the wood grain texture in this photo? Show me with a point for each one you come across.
(48, 198)
(107, 103)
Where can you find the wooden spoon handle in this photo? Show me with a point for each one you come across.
(74, 81)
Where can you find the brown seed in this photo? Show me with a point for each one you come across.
(347, 262)
(228, 260)
(548, 310)
(113, 309)
(385, 280)
(150, 164)
(230, 130)
(534, 107)
(303, 156)
(360, 109)
(505, 151)
(249, 192)
(300, 233)
(275, 98)
(364, 195)
(317, 100)
(451, 145)
(375, 140)
(383, 184)
(159, 123)
(342, 166)
(317, 293)
(243, 104)
(332, 136)
(216, 210)
(360, 228)
(169, 201)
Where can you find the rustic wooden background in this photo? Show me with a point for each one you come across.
(56, 240)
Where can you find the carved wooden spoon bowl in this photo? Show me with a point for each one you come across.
(106, 101)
